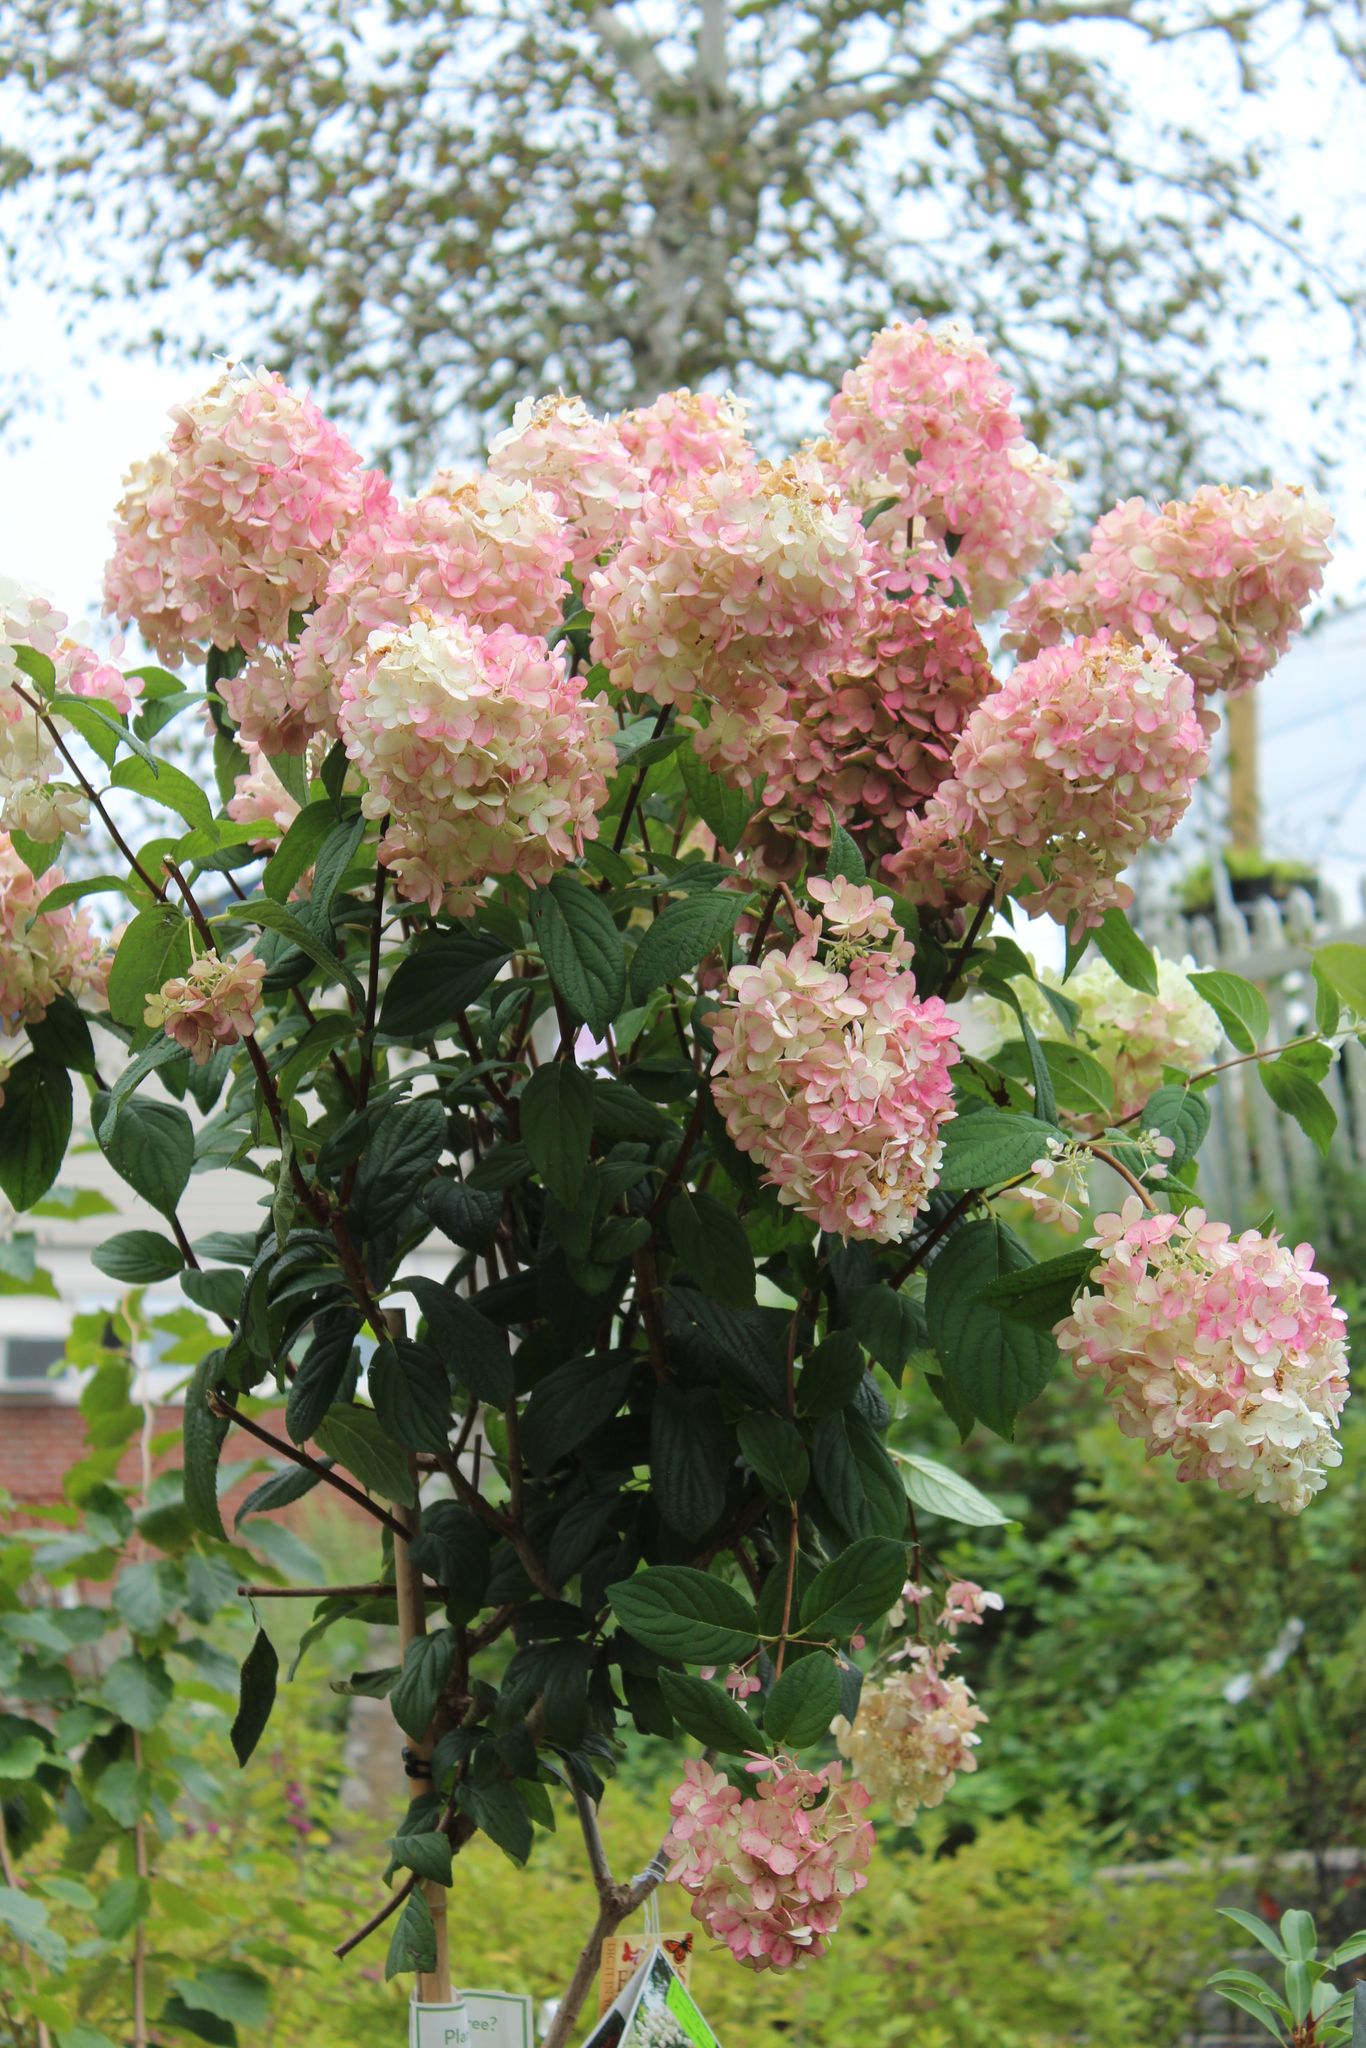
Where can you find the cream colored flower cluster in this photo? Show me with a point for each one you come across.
(483, 753)
(214, 1003)
(1226, 1351)
(43, 954)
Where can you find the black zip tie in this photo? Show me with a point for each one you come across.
(415, 1766)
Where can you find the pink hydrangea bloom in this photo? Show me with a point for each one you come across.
(261, 798)
(212, 1005)
(873, 739)
(967, 1604)
(486, 757)
(925, 418)
(492, 549)
(1223, 578)
(836, 1079)
(43, 954)
(83, 673)
(914, 1731)
(261, 702)
(1083, 756)
(583, 463)
(234, 524)
(34, 799)
(769, 1874)
(1226, 1351)
(683, 432)
(726, 589)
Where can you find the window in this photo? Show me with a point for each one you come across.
(26, 1361)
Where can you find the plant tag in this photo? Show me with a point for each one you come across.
(476, 2019)
(622, 1956)
(656, 2010)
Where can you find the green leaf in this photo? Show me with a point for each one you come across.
(1299, 1936)
(61, 1036)
(151, 1146)
(35, 1129)
(412, 1945)
(571, 1402)
(707, 1711)
(1239, 1006)
(436, 980)
(218, 1293)
(426, 1667)
(803, 1702)
(228, 1991)
(500, 1812)
(682, 936)
(148, 1594)
(1040, 1295)
(1181, 1114)
(941, 1491)
(832, 1374)
(274, 917)
(1119, 944)
(556, 1108)
(139, 1257)
(773, 1447)
(722, 808)
(353, 1436)
(1249, 2002)
(1258, 1929)
(467, 1216)
(1327, 1007)
(411, 1394)
(473, 1350)
(711, 1241)
(620, 1112)
(401, 1156)
(298, 849)
(319, 1378)
(1297, 1096)
(26, 1919)
(154, 950)
(987, 1146)
(857, 1479)
(844, 857)
(1081, 1084)
(994, 1363)
(856, 1590)
(584, 953)
(165, 785)
(686, 1614)
(427, 1855)
(690, 1454)
(888, 1324)
(137, 1689)
(1344, 967)
(260, 1671)
(453, 1547)
(202, 1442)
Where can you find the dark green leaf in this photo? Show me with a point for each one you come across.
(397, 1162)
(203, 1434)
(1040, 1295)
(993, 1362)
(219, 1292)
(584, 952)
(844, 857)
(275, 917)
(987, 1146)
(139, 1257)
(353, 1437)
(803, 1702)
(427, 1854)
(166, 785)
(686, 1614)
(35, 1128)
(412, 1946)
(438, 979)
(298, 849)
(1180, 1114)
(707, 1711)
(260, 1670)
(426, 1667)
(320, 1376)
(620, 1112)
(137, 1689)
(855, 1591)
(888, 1324)
(681, 936)
(857, 1479)
(832, 1375)
(570, 1403)
(690, 1454)
(774, 1448)
(710, 1240)
(1297, 1096)
(472, 1350)
(467, 1216)
(411, 1395)
(556, 1108)
(61, 1035)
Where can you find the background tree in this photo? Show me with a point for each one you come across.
(452, 205)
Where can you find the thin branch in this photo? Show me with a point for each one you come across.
(1115, 1165)
(633, 794)
(309, 1464)
(89, 788)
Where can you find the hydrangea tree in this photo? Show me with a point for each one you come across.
(610, 863)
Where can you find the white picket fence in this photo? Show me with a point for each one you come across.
(1255, 1159)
